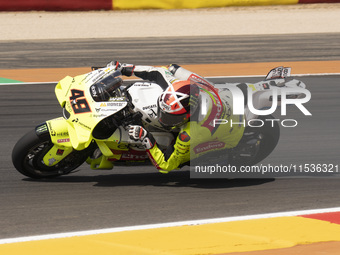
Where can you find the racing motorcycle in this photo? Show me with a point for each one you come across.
(97, 109)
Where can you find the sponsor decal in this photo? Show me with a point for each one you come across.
(66, 140)
(164, 106)
(52, 132)
(108, 104)
(41, 129)
(207, 146)
(98, 115)
(117, 99)
(149, 106)
(81, 124)
(60, 152)
(128, 156)
(62, 133)
(94, 76)
(265, 86)
(144, 84)
(184, 136)
(51, 161)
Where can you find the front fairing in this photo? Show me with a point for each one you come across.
(83, 112)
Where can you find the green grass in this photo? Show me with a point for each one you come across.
(4, 80)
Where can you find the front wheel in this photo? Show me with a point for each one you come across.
(28, 154)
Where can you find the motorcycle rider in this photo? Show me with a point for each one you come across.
(188, 106)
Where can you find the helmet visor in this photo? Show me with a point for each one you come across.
(171, 120)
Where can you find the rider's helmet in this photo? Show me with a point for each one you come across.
(177, 104)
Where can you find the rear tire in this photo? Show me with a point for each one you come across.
(28, 154)
(270, 134)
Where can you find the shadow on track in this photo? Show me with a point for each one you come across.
(173, 179)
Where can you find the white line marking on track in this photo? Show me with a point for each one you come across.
(166, 225)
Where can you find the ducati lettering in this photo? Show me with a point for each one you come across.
(149, 106)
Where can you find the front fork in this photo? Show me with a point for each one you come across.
(56, 129)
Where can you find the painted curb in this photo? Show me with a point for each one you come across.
(87, 5)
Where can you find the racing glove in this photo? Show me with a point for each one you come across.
(116, 64)
(173, 68)
(126, 69)
(138, 133)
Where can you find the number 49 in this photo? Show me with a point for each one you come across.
(78, 102)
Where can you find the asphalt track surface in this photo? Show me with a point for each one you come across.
(139, 195)
(165, 50)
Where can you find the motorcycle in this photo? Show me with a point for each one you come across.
(97, 108)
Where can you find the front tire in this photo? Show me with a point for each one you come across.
(28, 154)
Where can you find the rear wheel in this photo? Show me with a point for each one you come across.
(268, 135)
(270, 138)
(28, 154)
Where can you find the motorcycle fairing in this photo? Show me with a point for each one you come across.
(151, 91)
(84, 113)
